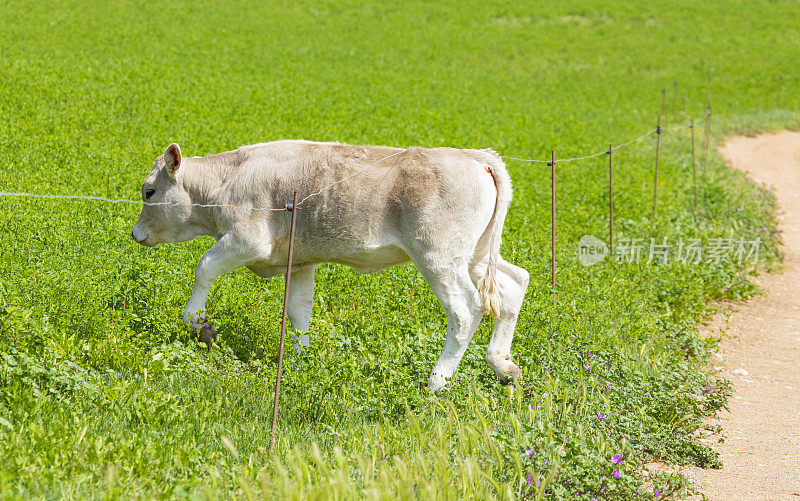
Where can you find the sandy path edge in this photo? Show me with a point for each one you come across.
(761, 451)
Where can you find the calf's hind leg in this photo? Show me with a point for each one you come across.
(459, 298)
(512, 282)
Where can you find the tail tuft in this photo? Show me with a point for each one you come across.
(490, 296)
(487, 286)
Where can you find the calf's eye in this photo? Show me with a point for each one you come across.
(149, 193)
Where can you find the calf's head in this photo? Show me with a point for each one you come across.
(167, 213)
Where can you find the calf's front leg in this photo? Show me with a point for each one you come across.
(301, 297)
(300, 303)
(226, 255)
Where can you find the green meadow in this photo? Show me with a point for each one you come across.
(103, 391)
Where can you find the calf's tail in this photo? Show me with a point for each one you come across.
(487, 286)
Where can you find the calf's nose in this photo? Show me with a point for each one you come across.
(138, 235)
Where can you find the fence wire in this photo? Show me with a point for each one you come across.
(127, 201)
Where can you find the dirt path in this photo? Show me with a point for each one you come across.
(761, 452)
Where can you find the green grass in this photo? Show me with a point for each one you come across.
(102, 393)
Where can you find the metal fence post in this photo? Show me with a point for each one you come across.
(610, 202)
(553, 223)
(694, 169)
(293, 208)
(655, 179)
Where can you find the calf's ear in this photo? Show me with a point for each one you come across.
(172, 157)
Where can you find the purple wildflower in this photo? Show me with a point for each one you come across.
(529, 479)
(545, 394)
(658, 494)
(600, 416)
(591, 355)
(616, 458)
(587, 366)
(617, 474)
(529, 453)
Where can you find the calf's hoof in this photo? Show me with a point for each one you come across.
(207, 334)
(504, 367)
(512, 371)
(437, 382)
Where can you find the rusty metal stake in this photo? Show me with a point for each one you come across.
(610, 203)
(655, 180)
(293, 208)
(694, 170)
(708, 136)
(553, 223)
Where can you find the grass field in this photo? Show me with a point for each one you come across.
(104, 394)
